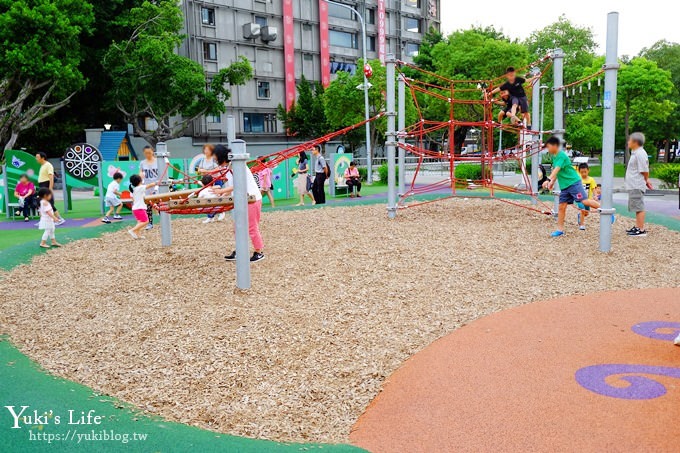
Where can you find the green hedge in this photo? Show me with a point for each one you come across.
(382, 171)
(668, 173)
(469, 171)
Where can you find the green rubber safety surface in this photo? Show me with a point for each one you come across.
(67, 427)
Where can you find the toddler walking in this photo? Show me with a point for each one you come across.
(47, 218)
(139, 205)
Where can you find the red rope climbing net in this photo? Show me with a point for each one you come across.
(463, 105)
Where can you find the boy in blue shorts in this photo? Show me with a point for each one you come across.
(571, 186)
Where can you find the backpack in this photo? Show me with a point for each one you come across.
(327, 170)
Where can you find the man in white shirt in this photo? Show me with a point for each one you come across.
(637, 182)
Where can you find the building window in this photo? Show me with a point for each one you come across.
(412, 49)
(370, 16)
(263, 91)
(343, 39)
(371, 43)
(259, 122)
(338, 66)
(412, 3)
(207, 16)
(412, 25)
(210, 51)
(214, 118)
(340, 12)
(261, 21)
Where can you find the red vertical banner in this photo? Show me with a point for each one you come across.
(289, 51)
(382, 31)
(325, 44)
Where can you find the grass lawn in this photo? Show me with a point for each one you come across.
(619, 171)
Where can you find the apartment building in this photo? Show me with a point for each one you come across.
(286, 39)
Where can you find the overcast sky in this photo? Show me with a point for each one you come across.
(641, 22)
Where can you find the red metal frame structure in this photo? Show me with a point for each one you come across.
(458, 93)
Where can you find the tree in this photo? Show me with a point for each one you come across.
(667, 56)
(150, 80)
(39, 60)
(306, 118)
(424, 58)
(344, 104)
(86, 108)
(579, 46)
(643, 92)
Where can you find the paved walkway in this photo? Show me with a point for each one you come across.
(586, 373)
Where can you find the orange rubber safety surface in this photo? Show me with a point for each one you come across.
(587, 373)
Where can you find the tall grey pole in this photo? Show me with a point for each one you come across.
(391, 138)
(231, 129)
(367, 112)
(100, 184)
(536, 139)
(558, 113)
(239, 167)
(162, 155)
(401, 125)
(64, 186)
(558, 80)
(611, 69)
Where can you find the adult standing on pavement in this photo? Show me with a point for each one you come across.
(46, 180)
(637, 182)
(320, 176)
(148, 170)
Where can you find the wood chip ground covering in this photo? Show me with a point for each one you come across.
(343, 298)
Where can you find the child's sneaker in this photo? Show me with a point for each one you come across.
(677, 340)
(221, 217)
(231, 257)
(133, 234)
(557, 233)
(149, 227)
(117, 217)
(638, 233)
(209, 220)
(257, 256)
(632, 230)
(106, 220)
(582, 227)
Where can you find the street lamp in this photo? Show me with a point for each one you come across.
(365, 87)
(107, 126)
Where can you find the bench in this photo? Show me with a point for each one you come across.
(340, 184)
(12, 209)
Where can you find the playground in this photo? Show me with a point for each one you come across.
(301, 355)
(435, 313)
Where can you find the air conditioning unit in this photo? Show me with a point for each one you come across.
(269, 33)
(251, 30)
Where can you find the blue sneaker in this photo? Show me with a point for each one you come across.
(556, 234)
(613, 219)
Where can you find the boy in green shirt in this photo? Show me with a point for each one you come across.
(571, 187)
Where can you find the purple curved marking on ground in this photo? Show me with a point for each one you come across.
(649, 330)
(594, 377)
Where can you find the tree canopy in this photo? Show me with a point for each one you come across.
(150, 80)
(306, 118)
(39, 61)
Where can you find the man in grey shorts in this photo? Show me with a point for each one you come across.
(637, 182)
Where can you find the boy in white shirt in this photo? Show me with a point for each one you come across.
(112, 199)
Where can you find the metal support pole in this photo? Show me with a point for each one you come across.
(5, 189)
(239, 167)
(367, 112)
(401, 125)
(162, 155)
(558, 113)
(611, 69)
(100, 184)
(64, 187)
(391, 138)
(231, 129)
(536, 139)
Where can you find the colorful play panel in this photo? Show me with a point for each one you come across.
(587, 373)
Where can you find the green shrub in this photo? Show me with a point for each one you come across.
(382, 171)
(363, 173)
(469, 171)
(668, 173)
